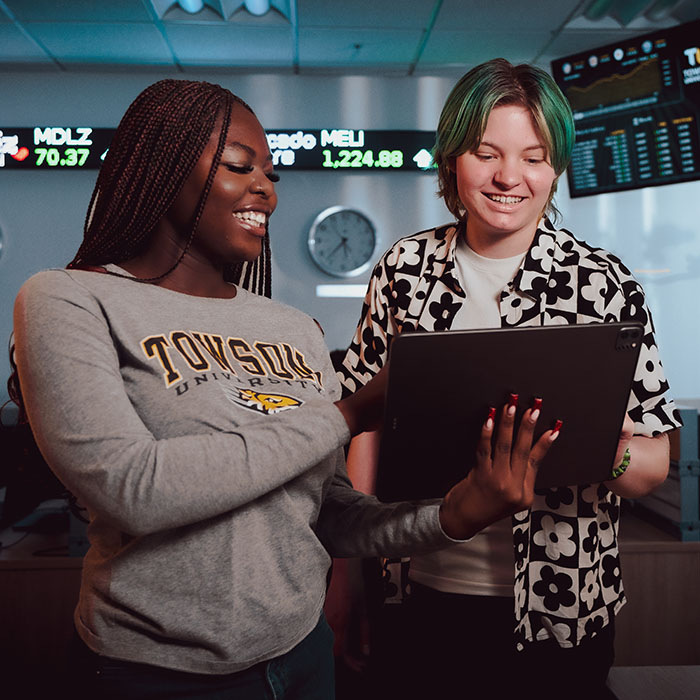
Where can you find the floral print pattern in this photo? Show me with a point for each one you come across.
(554, 589)
(567, 569)
(556, 538)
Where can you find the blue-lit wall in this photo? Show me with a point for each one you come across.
(656, 231)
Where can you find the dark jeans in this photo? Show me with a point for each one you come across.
(462, 646)
(304, 673)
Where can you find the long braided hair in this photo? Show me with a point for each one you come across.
(157, 144)
(155, 147)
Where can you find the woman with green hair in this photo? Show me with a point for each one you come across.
(529, 602)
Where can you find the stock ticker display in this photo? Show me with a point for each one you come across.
(346, 150)
(636, 107)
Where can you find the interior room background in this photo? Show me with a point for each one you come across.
(656, 230)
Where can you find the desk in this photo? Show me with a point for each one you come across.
(37, 597)
(655, 682)
(660, 625)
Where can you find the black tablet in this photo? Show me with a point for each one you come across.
(441, 385)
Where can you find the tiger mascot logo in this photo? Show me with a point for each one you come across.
(265, 403)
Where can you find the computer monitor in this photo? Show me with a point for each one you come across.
(636, 106)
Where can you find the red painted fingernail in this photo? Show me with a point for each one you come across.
(536, 404)
(492, 414)
(513, 400)
(557, 426)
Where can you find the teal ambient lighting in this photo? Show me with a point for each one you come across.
(191, 6)
(257, 7)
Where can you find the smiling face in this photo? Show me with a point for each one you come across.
(505, 183)
(240, 202)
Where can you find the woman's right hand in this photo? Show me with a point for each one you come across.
(503, 480)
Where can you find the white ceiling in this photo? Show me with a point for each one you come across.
(407, 37)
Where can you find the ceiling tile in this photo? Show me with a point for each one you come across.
(361, 36)
(230, 44)
(471, 49)
(571, 41)
(357, 48)
(495, 16)
(19, 48)
(103, 43)
(79, 10)
(365, 13)
(687, 10)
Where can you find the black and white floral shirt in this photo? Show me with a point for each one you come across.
(567, 568)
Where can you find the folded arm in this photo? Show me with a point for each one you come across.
(98, 445)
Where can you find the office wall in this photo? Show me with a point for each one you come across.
(655, 231)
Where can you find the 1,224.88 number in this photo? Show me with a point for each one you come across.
(358, 159)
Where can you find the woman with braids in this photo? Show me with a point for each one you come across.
(200, 423)
(528, 605)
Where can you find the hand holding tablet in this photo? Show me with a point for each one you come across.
(441, 385)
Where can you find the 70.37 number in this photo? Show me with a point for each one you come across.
(72, 157)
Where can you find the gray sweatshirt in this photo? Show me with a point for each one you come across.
(201, 436)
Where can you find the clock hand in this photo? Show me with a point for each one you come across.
(342, 244)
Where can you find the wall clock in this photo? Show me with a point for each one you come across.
(342, 241)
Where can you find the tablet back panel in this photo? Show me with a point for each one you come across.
(441, 385)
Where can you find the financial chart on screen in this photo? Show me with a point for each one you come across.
(636, 107)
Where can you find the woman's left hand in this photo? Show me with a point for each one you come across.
(623, 441)
(648, 465)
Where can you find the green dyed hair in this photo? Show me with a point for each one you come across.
(466, 111)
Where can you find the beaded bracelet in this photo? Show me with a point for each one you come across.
(622, 467)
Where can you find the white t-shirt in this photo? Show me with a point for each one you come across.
(484, 565)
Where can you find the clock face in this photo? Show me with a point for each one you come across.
(342, 241)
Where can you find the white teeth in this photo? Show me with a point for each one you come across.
(502, 199)
(251, 217)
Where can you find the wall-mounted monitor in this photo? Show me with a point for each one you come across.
(636, 106)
